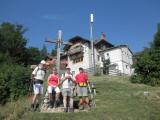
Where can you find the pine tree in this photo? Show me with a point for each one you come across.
(44, 52)
(156, 41)
(147, 68)
(53, 52)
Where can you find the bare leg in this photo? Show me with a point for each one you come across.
(71, 102)
(34, 98)
(87, 100)
(57, 100)
(65, 101)
(50, 96)
(57, 96)
(87, 103)
(80, 102)
(34, 102)
(39, 98)
(38, 102)
(50, 100)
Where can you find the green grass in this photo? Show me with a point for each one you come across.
(14, 110)
(117, 99)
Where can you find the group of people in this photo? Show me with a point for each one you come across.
(65, 84)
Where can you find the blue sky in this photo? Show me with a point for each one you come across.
(131, 22)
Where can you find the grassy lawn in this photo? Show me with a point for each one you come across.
(117, 99)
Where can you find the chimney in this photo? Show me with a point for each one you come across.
(103, 37)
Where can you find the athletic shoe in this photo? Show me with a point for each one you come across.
(65, 109)
(71, 110)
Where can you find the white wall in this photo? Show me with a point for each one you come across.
(122, 57)
(127, 60)
(84, 64)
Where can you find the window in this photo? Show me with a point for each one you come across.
(76, 60)
(98, 57)
(126, 66)
(103, 58)
(107, 55)
(103, 47)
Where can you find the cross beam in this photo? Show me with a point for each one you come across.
(59, 43)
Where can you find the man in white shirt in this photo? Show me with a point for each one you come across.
(38, 76)
(67, 82)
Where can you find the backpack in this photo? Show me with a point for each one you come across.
(39, 69)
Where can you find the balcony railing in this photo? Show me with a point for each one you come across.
(75, 50)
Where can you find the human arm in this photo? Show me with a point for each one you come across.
(34, 73)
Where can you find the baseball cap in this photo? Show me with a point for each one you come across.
(43, 62)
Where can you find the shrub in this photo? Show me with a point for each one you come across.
(136, 79)
(105, 66)
(147, 64)
(14, 82)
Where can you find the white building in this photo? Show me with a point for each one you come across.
(79, 55)
(120, 59)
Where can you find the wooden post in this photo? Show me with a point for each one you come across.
(59, 43)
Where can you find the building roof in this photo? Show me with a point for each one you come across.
(116, 47)
(83, 40)
(103, 42)
(75, 40)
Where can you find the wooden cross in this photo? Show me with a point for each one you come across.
(59, 43)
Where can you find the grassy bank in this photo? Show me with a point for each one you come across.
(117, 99)
(14, 110)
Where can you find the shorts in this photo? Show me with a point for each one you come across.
(82, 91)
(38, 88)
(52, 89)
(67, 92)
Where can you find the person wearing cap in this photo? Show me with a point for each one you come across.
(53, 83)
(82, 82)
(38, 76)
(48, 60)
(67, 82)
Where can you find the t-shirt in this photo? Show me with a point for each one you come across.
(39, 73)
(67, 83)
(82, 77)
(53, 80)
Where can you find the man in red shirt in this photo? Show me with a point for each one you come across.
(53, 83)
(82, 82)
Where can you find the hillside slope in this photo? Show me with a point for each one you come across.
(117, 99)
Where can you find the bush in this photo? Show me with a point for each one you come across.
(14, 82)
(105, 66)
(150, 80)
(136, 79)
(147, 68)
(14, 110)
(147, 64)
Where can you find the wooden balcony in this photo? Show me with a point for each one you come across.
(75, 50)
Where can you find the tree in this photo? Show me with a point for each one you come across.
(105, 66)
(147, 67)
(12, 40)
(15, 59)
(44, 52)
(14, 82)
(156, 41)
(34, 55)
(53, 52)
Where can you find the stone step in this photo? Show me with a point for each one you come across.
(59, 110)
